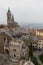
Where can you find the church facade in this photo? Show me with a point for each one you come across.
(10, 20)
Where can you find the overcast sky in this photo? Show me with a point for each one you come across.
(24, 11)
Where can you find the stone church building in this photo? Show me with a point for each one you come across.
(10, 20)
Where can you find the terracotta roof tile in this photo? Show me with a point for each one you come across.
(40, 30)
(40, 37)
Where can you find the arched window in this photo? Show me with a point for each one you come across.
(14, 50)
(14, 55)
(6, 51)
(4, 39)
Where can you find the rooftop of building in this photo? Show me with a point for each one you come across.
(16, 41)
(40, 37)
(40, 30)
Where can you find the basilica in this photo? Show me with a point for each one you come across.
(10, 20)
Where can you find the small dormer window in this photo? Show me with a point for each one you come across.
(14, 55)
(39, 40)
(4, 39)
(14, 50)
(23, 46)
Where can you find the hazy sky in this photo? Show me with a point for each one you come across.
(24, 11)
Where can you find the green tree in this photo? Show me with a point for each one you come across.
(41, 57)
(34, 60)
(30, 50)
(32, 57)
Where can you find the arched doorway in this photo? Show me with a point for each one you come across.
(6, 51)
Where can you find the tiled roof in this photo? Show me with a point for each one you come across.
(32, 32)
(40, 37)
(40, 30)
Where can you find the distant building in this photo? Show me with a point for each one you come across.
(32, 32)
(40, 42)
(39, 32)
(36, 37)
(34, 41)
(10, 20)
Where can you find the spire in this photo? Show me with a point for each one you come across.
(12, 18)
(8, 9)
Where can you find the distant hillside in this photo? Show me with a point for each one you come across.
(34, 25)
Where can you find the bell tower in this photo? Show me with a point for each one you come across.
(8, 17)
(10, 20)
